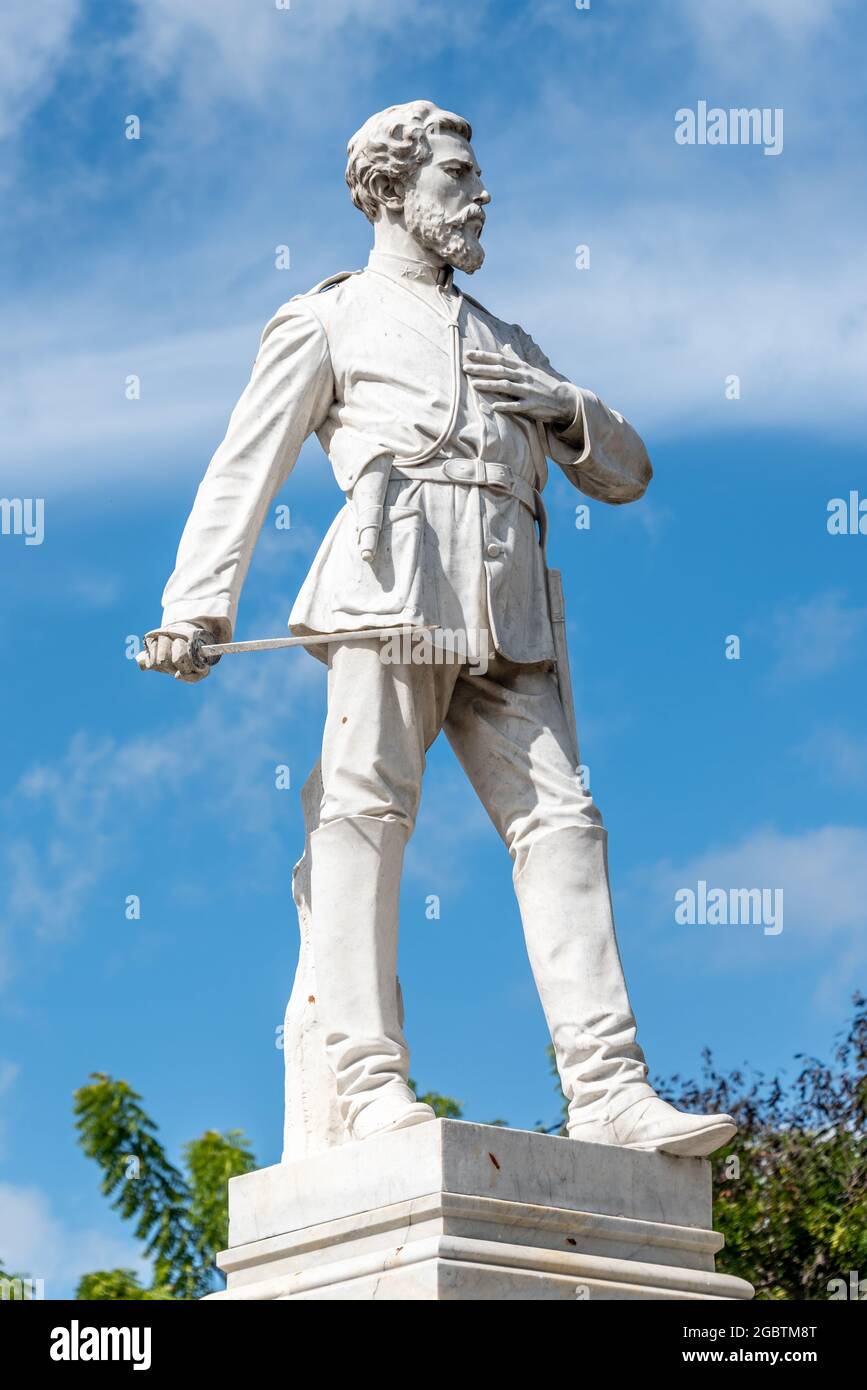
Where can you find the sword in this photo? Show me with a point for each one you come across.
(204, 653)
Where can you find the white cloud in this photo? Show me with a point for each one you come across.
(705, 264)
(837, 755)
(679, 297)
(823, 875)
(676, 301)
(88, 802)
(763, 44)
(187, 384)
(230, 50)
(813, 638)
(93, 590)
(436, 857)
(9, 1074)
(34, 42)
(724, 24)
(35, 1242)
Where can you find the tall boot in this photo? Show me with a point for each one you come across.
(565, 901)
(355, 888)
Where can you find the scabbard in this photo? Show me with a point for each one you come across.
(557, 611)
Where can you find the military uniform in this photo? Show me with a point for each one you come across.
(373, 366)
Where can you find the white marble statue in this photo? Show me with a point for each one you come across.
(439, 420)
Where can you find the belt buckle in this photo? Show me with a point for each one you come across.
(506, 478)
(464, 470)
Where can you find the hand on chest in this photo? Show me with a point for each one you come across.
(405, 352)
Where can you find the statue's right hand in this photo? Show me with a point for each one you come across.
(170, 650)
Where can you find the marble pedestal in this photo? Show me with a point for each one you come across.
(450, 1210)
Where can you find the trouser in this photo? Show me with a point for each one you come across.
(510, 733)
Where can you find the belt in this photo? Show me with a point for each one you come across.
(477, 472)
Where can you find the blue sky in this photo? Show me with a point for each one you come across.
(156, 258)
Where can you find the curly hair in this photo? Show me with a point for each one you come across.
(394, 142)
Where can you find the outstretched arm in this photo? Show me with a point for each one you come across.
(288, 396)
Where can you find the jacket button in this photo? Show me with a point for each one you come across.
(494, 550)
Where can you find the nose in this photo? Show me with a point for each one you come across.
(483, 196)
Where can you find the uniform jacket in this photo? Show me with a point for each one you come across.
(372, 365)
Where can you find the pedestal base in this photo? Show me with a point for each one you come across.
(450, 1210)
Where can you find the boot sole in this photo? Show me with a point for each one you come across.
(406, 1121)
(410, 1117)
(696, 1144)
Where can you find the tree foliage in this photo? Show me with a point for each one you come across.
(182, 1219)
(14, 1288)
(444, 1107)
(791, 1189)
(118, 1286)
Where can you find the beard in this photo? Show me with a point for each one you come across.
(447, 237)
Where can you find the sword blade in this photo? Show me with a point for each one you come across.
(270, 644)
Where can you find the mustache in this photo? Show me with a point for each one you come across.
(475, 212)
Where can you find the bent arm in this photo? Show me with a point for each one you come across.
(600, 453)
(288, 396)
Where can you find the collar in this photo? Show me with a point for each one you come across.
(411, 272)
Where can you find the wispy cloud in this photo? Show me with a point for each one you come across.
(9, 1074)
(186, 385)
(836, 755)
(659, 345)
(768, 28)
(38, 1243)
(67, 821)
(436, 856)
(705, 264)
(246, 54)
(823, 875)
(813, 638)
(32, 50)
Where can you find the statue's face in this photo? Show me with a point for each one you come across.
(444, 206)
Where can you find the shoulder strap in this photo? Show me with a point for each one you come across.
(328, 283)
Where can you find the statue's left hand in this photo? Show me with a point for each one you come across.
(526, 390)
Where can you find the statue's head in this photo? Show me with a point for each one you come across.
(414, 164)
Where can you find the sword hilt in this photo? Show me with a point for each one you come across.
(200, 658)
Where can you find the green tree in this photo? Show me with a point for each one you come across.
(444, 1107)
(14, 1288)
(559, 1125)
(118, 1286)
(791, 1189)
(182, 1218)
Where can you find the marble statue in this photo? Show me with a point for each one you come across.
(439, 420)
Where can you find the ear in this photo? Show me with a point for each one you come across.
(387, 192)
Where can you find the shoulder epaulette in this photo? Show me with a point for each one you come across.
(328, 284)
